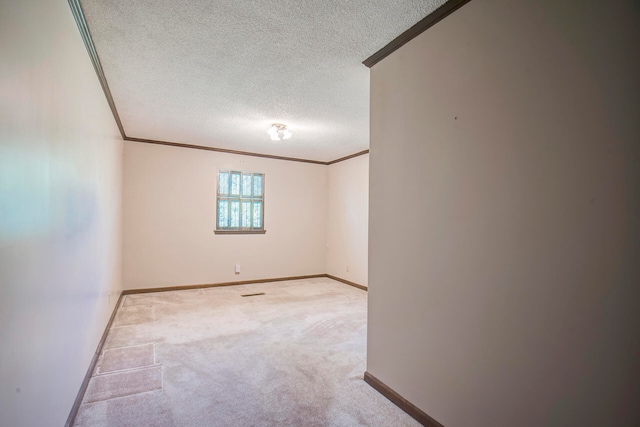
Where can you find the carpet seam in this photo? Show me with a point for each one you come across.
(137, 368)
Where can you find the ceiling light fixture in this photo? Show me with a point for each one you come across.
(278, 131)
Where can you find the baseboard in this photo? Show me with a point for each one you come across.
(240, 282)
(85, 383)
(215, 285)
(402, 403)
(355, 285)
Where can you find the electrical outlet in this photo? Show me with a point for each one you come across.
(347, 268)
(237, 268)
(109, 297)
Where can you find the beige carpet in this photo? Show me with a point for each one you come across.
(294, 356)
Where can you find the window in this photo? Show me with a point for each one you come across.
(240, 202)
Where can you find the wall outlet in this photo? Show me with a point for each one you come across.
(109, 297)
(237, 268)
(347, 268)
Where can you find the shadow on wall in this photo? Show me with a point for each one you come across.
(42, 197)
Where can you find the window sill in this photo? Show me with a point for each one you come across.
(239, 231)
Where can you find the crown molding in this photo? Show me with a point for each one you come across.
(221, 150)
(427, 22)
(78, 14)
(351, 156)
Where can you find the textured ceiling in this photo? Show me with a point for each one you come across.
(218, 73)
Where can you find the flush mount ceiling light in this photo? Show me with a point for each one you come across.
(278, 131)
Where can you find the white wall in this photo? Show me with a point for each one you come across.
(504, 264)
(60, 212)
(169, 218)
(348, 220)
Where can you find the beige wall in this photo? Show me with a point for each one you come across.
(169, 218)
(60, 212)
(504, 216)
(347, 219)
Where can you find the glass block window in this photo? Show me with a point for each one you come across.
(240, 201)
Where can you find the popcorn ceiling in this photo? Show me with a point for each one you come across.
(218, 73)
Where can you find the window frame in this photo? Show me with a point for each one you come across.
(240, 198)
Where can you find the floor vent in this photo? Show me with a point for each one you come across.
(252, 295)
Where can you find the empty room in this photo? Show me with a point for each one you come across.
(341, 213)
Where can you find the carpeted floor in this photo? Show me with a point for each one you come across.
(294, 356)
